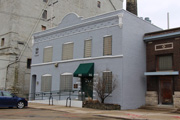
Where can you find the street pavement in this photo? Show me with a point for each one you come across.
(138, 114)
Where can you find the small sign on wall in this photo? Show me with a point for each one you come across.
(75, 85)
(164, 46)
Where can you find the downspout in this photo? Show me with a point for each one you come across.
(7, 72)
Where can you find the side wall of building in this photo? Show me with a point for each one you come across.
(134, 61)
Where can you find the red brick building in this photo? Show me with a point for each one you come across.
(163, 66)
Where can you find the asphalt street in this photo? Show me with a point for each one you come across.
(42, 114)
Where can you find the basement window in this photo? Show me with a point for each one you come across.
(2, 41)
(29, 63)
(99, 4)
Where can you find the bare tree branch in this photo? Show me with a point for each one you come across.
(102, 88)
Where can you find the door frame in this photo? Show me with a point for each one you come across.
(82, 81)
(33, 87)
(171, 78)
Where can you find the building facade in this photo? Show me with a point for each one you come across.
(163, 83)
(79, 51)
(21, 18)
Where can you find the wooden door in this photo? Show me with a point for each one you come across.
(166, 90)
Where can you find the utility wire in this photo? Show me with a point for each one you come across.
(34, 28)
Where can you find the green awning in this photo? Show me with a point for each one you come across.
(85, 70)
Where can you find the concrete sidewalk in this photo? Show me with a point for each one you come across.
(138, 114)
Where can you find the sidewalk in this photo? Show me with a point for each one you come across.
(138, 114)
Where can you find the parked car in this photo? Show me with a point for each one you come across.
(10, 100)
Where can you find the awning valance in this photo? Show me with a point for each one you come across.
(161, 73)
(84, 70)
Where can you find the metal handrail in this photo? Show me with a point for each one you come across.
(55, 94)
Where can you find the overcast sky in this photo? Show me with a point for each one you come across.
(157, 11)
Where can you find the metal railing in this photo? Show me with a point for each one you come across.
(58, 95)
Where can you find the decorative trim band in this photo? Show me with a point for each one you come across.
(80, 59)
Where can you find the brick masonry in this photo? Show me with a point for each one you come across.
(151, 60)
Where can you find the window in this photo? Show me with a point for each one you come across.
(87, 48)
(45, 1)
(107, 80)
(66, 82)
(7, 94)
(99, 4)
(164, 63)
(48, 52)
(20, 42)
(36, 51)
(67, 51)
(2, 41)
(46, 82)
(107, 45)
(44, 15)
(29, 63)
(43, 27)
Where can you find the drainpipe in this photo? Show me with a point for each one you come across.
(7, 72)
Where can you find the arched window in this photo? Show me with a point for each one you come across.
(66, 81)
(44, 15)
(107, 78)
(46, 82)
(48, 54)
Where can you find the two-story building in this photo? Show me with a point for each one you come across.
(163, 66)
(79, 51)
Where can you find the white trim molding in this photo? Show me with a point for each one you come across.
(164, 46)
(80, 59)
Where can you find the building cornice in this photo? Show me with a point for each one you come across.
(84, 26)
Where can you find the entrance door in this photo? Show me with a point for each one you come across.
(87, 86)
(166, 90)
(33, 87)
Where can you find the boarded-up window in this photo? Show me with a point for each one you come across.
(46, 82)
(107, 45)
(87, 48)
(165, 63)
(48, 53)
(107, 81)
(67, 51)
(66, 82)
(44, 15)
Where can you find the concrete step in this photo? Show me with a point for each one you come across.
(160, 108)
